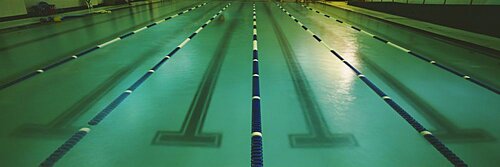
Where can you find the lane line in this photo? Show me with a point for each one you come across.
(257, 159)
(399, 47)
(75, 138)
(465, 76)
(109, 42)
(434, 141)
(139, 30)
(85, 52)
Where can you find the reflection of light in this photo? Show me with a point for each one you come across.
(349, 52)
(343, 94)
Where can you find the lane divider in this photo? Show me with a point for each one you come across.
(85, 52)
(464, 76)
(73, 140)
(438, 145)
(256, 150)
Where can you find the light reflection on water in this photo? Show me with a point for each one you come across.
(343, 94)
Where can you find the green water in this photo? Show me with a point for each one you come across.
(306, 92)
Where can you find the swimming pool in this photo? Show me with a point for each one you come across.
(195, 108)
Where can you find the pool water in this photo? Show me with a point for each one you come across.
(196, 109)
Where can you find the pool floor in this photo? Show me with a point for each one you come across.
(175, 94)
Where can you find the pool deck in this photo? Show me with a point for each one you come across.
(475, 40)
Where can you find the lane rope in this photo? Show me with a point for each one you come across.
(75, 138)
(434, 141)
(85, 52)
(256, 150)
(419, 56)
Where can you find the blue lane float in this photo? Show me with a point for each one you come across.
(257, 159)
(435, 142)
(64, 148)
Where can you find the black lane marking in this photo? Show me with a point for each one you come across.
(151, 25)
(319, 134)
(446, 129)
(192, 35)
(419, 56)
(87, 51)
(380, 39)
(126, 35)
(317, 38)
(191, 133)
(356, 28)
(480, 83)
